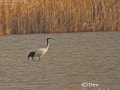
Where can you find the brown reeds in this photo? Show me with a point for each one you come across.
(49, 16)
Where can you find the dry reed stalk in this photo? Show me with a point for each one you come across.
(50, 16)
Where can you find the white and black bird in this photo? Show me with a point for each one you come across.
(39, 52)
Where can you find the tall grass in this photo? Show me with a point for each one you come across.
(50, 16)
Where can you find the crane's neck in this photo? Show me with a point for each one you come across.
(47, 44)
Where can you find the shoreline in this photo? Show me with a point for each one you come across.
(58, 33)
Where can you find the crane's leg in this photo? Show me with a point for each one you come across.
(39, 58)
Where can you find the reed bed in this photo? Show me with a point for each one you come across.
(57, 16)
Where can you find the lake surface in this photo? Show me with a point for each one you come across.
(88, 58)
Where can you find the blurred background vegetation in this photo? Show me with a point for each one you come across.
(57, 16)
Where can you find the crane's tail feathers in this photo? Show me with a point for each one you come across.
(31, 54)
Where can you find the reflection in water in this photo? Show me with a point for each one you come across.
(72, 59)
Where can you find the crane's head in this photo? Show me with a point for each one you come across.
(49, 38)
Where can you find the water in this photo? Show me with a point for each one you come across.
(72, 59)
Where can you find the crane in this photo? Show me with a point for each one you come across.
(39, 52)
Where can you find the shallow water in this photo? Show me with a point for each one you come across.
(72, 59)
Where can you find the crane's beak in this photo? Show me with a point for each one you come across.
(50, 38)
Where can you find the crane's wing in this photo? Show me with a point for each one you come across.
(40, 52)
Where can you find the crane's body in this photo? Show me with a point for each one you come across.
(39, 52)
